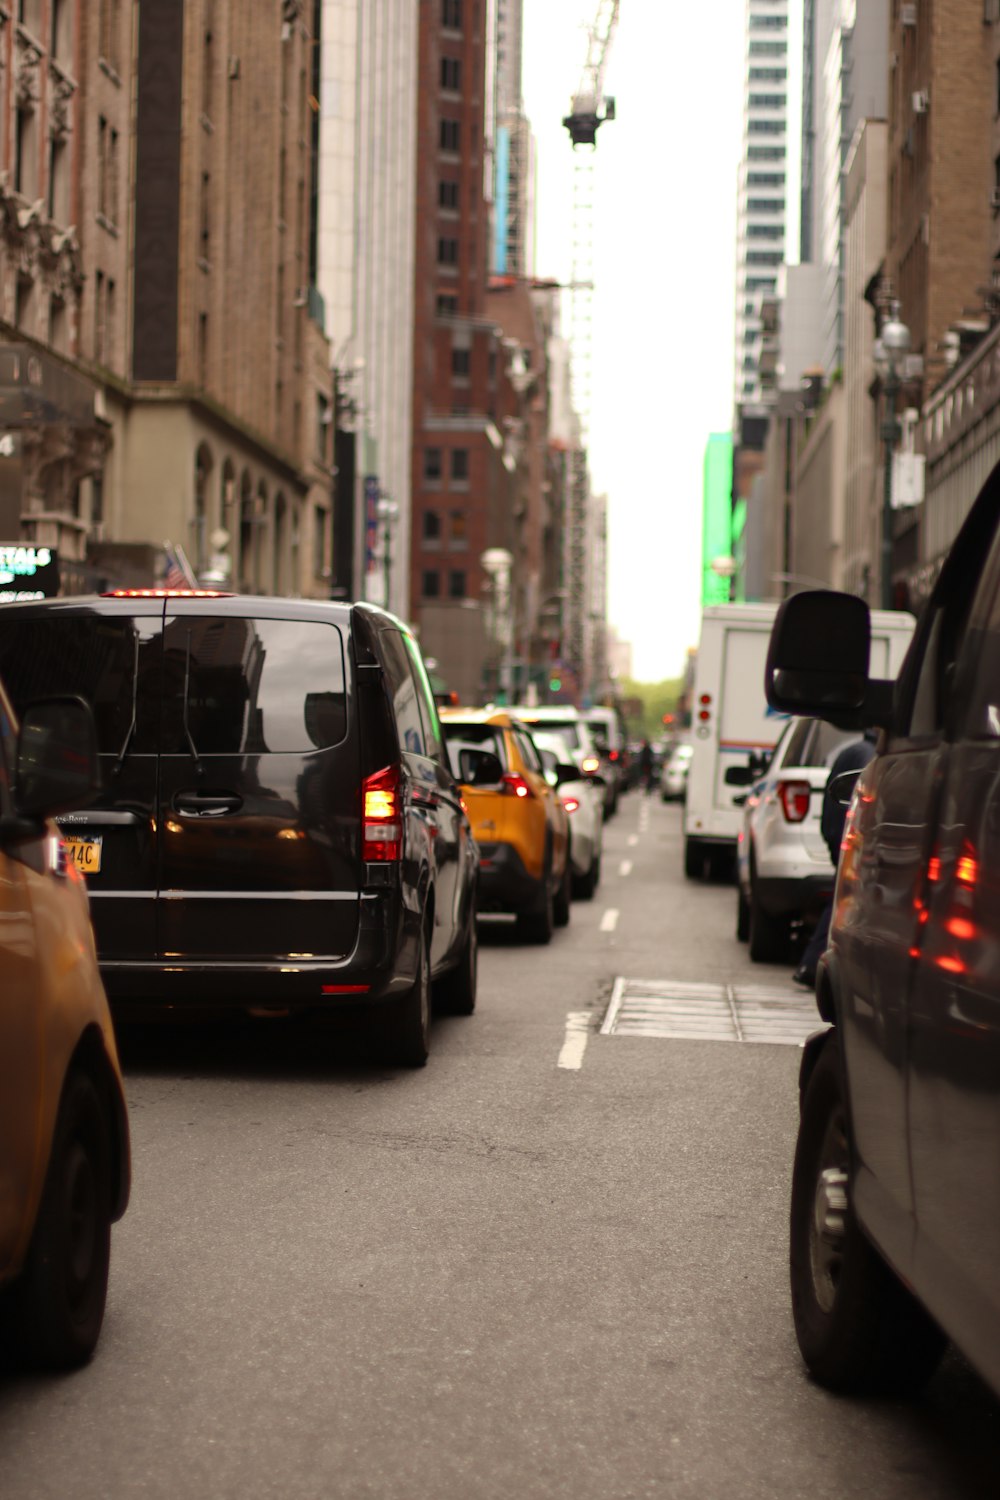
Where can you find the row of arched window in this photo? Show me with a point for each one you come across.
(264, 530)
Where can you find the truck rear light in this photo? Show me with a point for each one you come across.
(514, 783)
(381, 829)
(794, 798)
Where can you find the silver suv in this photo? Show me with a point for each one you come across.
(783, 869)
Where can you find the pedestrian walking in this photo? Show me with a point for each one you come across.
(646, 766)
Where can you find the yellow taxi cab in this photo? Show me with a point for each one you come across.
(64, 1140)
(518, 820)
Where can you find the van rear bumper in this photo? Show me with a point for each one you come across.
(382, 966)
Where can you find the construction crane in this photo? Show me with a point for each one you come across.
(588, 111)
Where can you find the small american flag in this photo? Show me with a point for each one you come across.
(179, 574)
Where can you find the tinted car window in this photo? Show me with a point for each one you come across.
(111, 661)
(239, 686)
(425, 700)
(472, 737)
(403, 692)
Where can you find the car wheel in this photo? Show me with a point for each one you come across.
(561, 904)
(455, 992)
(694, 859)
(408, 1028)
(537, 926)
(585, 886)
(768, 936)
(858, 1327)
(57, 1304)
(742, 915)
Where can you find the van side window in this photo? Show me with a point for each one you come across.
(113, 661)
(982, 714)
(403, 692)
(425, 697)
(251, 687)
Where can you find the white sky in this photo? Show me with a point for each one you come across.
(664, 272)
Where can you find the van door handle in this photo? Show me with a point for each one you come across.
(207, 804)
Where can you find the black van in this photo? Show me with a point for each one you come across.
(278, 827)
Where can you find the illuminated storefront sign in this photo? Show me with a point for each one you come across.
(27, 572)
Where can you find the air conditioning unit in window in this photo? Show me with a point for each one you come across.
(908, 15)
(921, 102)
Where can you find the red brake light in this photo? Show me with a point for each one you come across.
(381, 829)
(165, 594)
(570, 803)
(794, 798)
(613, 754)
(967, 870)
(515, 783)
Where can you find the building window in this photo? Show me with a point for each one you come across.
(57, 324)
(58, 181)
(451, 74)
(460, 364)
(460, 466)
(451, 14)
(430, 584)
(456, 583)
(449, 136)
(432, 465)
(447, 252)
(458, 537)
(108, 28)
(447, 195)
(320, 551)
(447, 306)
(100, 325)
(207, 75)
(204, 219)
(431, 530)
(203, 350)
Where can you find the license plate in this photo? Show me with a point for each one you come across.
(84, 853)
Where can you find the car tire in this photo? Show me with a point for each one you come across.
(563, 896)
(455, 992)
(767, 935)
(857, 1326)
(586, 885)
(742, 915)
(537, 926)
(57, 1303)
(407, 1028)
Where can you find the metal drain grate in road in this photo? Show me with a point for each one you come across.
(710, 1012)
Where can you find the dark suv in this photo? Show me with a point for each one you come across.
(895, 1218)
(278, 828)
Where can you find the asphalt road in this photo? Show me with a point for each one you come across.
(498, 1277)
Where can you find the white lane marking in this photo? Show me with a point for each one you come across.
(633, 839)
(625, 868)
(615, 1005)
(575, 1044)
(609, 920)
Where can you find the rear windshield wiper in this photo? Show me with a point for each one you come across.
(130, 732)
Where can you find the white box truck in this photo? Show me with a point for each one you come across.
(731, 723)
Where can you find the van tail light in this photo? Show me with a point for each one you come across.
(516, 785)
(794, 798)
(381, 827)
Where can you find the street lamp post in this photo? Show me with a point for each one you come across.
(891, 349)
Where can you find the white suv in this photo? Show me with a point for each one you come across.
(783, 868)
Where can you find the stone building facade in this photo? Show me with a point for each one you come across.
(160, 161)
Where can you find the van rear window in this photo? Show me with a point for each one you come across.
(111, 661)
(249, 687)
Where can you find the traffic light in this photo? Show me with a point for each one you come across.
(668, 718)
(555, 683)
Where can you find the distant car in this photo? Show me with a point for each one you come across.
(519, 822)
(674, 774)
(64, 1139)
(583, 798)
(278, 829)
(605, 724)
(565, 719)
(783, 869)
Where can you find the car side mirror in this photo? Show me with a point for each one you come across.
(56, 766)
(479, 768)
(567, 772)
(740, 775)
(817, 660)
